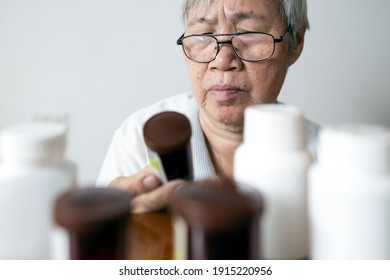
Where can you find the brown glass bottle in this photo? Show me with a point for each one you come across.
(222, 222)
(168, 135)
(96, 220)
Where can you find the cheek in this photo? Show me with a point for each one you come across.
(267, 80)
(196, 72)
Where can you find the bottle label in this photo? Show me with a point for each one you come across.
(180, 241)
(59, 243)
(157, 166)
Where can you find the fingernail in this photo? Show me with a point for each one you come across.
(181, 185)
(149, 182)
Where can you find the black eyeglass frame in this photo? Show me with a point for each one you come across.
(276, 40)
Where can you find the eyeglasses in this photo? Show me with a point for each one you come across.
(249, 46)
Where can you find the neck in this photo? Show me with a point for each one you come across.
(222, 141)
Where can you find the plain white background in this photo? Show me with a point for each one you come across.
(100, 60)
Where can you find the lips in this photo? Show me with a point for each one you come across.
(224, 92)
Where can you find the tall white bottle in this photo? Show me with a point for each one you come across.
(273, 158)
(33, 173)
(349, 193)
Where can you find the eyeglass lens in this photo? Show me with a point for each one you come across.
(252, 46)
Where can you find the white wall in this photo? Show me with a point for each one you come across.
(343, 74)
(99, 60)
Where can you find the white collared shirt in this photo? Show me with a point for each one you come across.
(127, 152)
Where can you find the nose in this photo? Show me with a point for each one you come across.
(224, 42)
(226, 58)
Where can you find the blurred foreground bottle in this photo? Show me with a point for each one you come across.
(96, 220)
(213, 220)
(33, 172)
(349, 193)
(273, 158)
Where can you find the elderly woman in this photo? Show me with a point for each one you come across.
(238, 54)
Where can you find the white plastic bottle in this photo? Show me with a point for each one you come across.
(33, 173)
(274, 159)
(349, 193)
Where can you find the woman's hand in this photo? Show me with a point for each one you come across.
(146, 190)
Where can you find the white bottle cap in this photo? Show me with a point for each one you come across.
(274, 127)
(39, 142)
(355, 147)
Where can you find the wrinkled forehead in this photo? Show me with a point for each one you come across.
(198, 10)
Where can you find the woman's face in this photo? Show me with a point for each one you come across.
(227, 85)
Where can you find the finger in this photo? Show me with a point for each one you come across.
(156, 199)
(137, 184)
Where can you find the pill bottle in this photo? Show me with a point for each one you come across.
(167, 136)
(349, 193)
(213, 220)
(96, 220)
(33, 172)
(274, 159)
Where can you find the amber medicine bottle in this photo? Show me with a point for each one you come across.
(96, 220)
(214, 220)
(167, 136)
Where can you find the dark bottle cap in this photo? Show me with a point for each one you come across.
(85, 210)
(167, 131)
(216, 205)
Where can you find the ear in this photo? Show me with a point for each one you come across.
(299, 42)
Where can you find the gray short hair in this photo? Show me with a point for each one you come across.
(294, 13)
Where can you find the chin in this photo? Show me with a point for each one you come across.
(230, 116)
